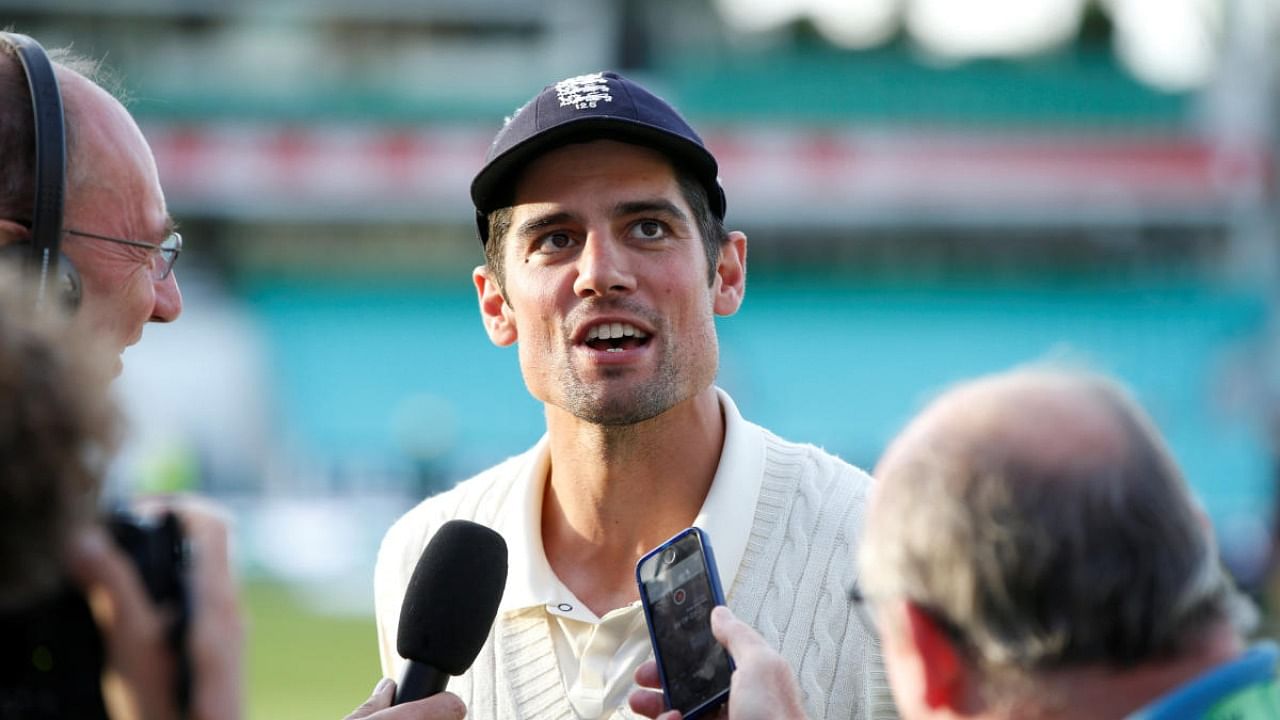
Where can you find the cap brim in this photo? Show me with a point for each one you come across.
(492, 187)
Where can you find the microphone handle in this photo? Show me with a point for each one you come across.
(418, 681)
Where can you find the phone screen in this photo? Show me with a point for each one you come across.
(678, 589)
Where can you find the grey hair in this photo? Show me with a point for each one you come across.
(1087, 559)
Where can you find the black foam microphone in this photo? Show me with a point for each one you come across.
(449, 606)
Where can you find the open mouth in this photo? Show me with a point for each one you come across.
(615, 337)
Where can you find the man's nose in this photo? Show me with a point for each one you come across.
(603, 267)
(168, 304)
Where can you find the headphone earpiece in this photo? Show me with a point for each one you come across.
(43, 253)
(66, 284)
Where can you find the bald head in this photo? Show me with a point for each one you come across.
(1060, 424)
(1040, 514)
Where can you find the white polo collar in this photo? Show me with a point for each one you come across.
(726, 516)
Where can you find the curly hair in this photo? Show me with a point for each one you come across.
(58, 428)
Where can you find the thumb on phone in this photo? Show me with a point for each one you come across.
(763, 685)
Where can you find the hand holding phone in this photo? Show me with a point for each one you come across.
(679, 586)
(763, 688)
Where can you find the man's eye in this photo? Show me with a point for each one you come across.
(554, 241)
(649, 229)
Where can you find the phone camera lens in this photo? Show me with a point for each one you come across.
(669, 556)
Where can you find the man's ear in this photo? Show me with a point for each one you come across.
(943, 671)
(494, 311)
(731, 275)
(12, 232)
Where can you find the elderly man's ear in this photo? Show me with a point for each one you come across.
(946, 678)
(12, 251)
(12, 232)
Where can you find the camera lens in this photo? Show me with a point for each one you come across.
(669, 556)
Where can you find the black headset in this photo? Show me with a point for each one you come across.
(43, 253)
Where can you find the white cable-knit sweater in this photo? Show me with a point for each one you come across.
(791, 586)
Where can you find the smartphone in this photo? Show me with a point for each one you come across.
(679, 586)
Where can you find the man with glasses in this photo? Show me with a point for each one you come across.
(1032, 551)
(121, 244)
(119, 236)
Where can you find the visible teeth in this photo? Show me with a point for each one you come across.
(613, 349)
(607, 331)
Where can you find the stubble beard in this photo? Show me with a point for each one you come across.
(615, 400)
(613, 403)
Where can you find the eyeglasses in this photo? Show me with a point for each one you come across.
(862, 607)
(162, 257)
(859, 602)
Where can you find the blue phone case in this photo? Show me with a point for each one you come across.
(717, 593)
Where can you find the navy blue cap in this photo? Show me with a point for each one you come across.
(584, 108)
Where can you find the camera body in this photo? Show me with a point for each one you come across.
(159, 550)
(52, 655)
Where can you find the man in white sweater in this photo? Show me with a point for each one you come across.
(606, 264)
